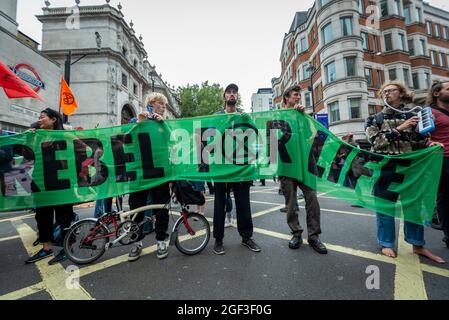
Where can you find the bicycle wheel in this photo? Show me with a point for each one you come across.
(191, 244)
(77, 249)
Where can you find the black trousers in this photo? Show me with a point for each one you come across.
(243, 209)
(45, 217)
(443, 198)
(160, 195)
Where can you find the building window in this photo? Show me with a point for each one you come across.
(429, 27)
(350, 66)
(346, 26)
(334, 111)
(443, 59)
(418, 14)
(392, 74)
(401, 42)
(384, 8)
(415, 80)
(411, 47)
(446, 33)
(369, 76)
(437, 30)
(331, 72)
(379, 79)
(135, 63)
(305, 71)
(354, 108)
(388, 42)
(372, 110)
(433, 57)
(307, 100)
(124, 51)
(406, 73)
(303, 44)
(362, 7)
(135, 89)
(407, 15)
(423, 47)
(327, 33)
(397, 7)
(124, 80)
(428, 80)
(365, 43)
(376, 48)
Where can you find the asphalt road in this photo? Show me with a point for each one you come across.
(276, 273)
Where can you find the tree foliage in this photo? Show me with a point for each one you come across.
(201, 100)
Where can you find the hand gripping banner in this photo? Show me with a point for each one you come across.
(57, 167)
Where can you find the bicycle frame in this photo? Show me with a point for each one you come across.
(108, 219)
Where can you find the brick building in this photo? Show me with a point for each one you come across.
(344, 53)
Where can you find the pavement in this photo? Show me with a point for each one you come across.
(352, 270)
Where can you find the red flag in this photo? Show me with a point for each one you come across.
(14, 86)
(67, 99)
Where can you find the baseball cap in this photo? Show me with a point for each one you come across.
(232, 86)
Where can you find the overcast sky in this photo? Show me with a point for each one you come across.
(191, 41)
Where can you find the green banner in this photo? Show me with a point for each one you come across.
(57, 167)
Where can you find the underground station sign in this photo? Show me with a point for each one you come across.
(28, 74)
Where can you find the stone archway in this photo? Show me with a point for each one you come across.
(127, 114)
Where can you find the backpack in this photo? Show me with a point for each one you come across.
(187, 195)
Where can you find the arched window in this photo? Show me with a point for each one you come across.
(127, 114)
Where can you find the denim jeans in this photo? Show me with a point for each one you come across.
(386, 232)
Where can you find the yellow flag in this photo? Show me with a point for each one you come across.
(67, 99)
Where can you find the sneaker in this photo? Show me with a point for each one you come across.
(228, 220)
(135, 252)
(251, 245)
(162, 250)
(42, 254)
(60, 257)
(218, 248)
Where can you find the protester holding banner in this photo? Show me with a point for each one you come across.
(393, 131)
(438, 99)
(241, 194)
(289, 187)
(50, 119)
(161, 194)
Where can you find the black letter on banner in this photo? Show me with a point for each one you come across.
(146, 152)
(388, 175)
(121, 158)
(342, 154)
(286, 136)
(359, 169)
(52, 166)
(83, 162)
(315, 153)
(9, 174)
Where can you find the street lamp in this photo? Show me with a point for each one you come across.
(152, 81)
(311, 69)
(68, 65)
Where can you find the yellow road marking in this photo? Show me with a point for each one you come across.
(124, 258)
(22, 293)
(18, 218)
(331, 247)
(408, 280)
(54, 277)
(9, 238)
(435, 270)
